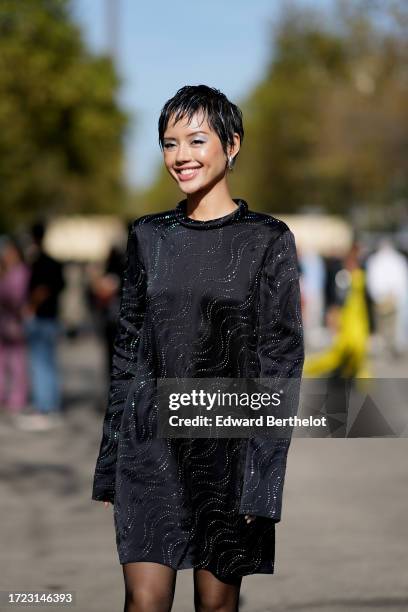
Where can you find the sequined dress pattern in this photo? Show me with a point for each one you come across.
(216, 298)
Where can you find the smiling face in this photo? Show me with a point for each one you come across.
(193, 153)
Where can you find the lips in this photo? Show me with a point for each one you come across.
(186, 174)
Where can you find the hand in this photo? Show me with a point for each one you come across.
(106, 503)
(249, 518)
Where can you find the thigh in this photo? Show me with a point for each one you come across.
(212, 593)
(149, 586)
(50, 331)
(17, 359)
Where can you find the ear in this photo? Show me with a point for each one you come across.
(236, 147)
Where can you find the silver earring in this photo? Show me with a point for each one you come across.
(230, 165)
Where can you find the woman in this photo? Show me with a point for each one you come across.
(346, 357)
(210, 289)
(14, 279)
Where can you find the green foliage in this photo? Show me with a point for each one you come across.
(61, 129)
(326, 125)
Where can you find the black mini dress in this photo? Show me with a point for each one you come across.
(217, 298)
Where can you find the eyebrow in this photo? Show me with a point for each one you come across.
(189, 134)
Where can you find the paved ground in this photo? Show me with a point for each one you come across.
(342, 543)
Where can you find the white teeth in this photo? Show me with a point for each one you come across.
(190, 171)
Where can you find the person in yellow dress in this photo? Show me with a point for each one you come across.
(347, 355)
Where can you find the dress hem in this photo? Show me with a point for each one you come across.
(190, 565)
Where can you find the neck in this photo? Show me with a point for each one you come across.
(211, 203)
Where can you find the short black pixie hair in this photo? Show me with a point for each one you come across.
(223, 116)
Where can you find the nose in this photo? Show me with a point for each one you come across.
(183, 153)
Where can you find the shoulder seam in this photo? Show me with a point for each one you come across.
(272, 243)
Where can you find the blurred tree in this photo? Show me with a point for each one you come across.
(364, 127)
(282, 116)
(328, 125)
(61, 129)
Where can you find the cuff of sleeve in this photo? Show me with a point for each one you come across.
(103, 491)
(260, 506)
(264, 477)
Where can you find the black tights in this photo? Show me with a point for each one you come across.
(150, 588)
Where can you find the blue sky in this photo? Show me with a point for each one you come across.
(165, 45)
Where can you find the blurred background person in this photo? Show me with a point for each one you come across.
(42, 329)
(345, 359)
(348, 319)
(313, 287)
(14, 279)
(104, 297)
(333, 265)
(387, 283)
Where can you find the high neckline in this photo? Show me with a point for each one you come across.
(181, 214)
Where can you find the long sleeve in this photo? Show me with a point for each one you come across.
(281, 355)
(124, 361)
